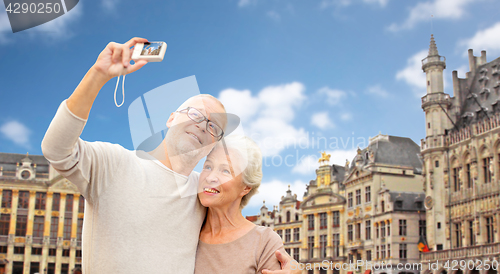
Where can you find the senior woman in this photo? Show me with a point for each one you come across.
(229, 243)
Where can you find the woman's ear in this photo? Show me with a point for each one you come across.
(246, 190)
(170, 119)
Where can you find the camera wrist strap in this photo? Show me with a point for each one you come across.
(123, 90)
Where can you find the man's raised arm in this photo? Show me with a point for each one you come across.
(113, 61)
(60, 143)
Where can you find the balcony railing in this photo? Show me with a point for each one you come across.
(431, 59)
(480, 127)
(462, 253)
(442, 98)
(433, 142)
(477, 191)
(356, 243)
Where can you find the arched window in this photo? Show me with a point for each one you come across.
(288, 216)
(382, 206)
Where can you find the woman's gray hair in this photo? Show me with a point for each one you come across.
(250, 158)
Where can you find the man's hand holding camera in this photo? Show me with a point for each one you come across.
(114, 60)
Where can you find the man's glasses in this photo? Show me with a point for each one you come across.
(198, 117)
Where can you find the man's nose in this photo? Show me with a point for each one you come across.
(202, 126)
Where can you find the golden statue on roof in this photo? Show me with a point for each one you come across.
(324, 157)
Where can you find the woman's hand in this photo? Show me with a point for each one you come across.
(114, 60)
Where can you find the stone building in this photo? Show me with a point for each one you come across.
(381, 188)
(41, 217)
(289, 223)
(323, 209)
(397, 229)
(266, 217)
(312, 230)
(348, 212)
(461, 153)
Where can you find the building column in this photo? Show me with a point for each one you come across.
(74, 225)
(12, 231)
(341, 233)
(60, 232)
(46, 232)
(316, 235)
(303, 250)
(388, 224)
(29, 233)
(329, 245)
(496, 228)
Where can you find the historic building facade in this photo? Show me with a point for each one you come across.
(349, 212)
(289, 223)
(384, 193)
(323, 213)
(461, 153)
(397, 229)
(41, 217)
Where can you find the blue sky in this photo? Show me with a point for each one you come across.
(295, 71)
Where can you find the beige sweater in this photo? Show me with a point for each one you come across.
(135, 219)
(248, 254)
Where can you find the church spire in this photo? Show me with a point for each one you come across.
(433, 60)
(433, 50)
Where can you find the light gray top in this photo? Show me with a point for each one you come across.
(249, 254)
(135, 219)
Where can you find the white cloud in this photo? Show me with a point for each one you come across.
(377, 90)
(309, 164)
(240, 102)
(486, 39)
(346, 116)
(382, 3)
(413, 75)
(439, 9)
(333, 95)
(17, 133)
(274, 15)
(336, 3)
(321, 120)
(280, 101)
(339, 156)
(267, 116)
(272, 191)
(462, 70)
(324, 4)
(244, 3)
(110, 5)
(273, 135)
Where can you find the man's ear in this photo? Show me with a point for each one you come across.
(170, 119)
